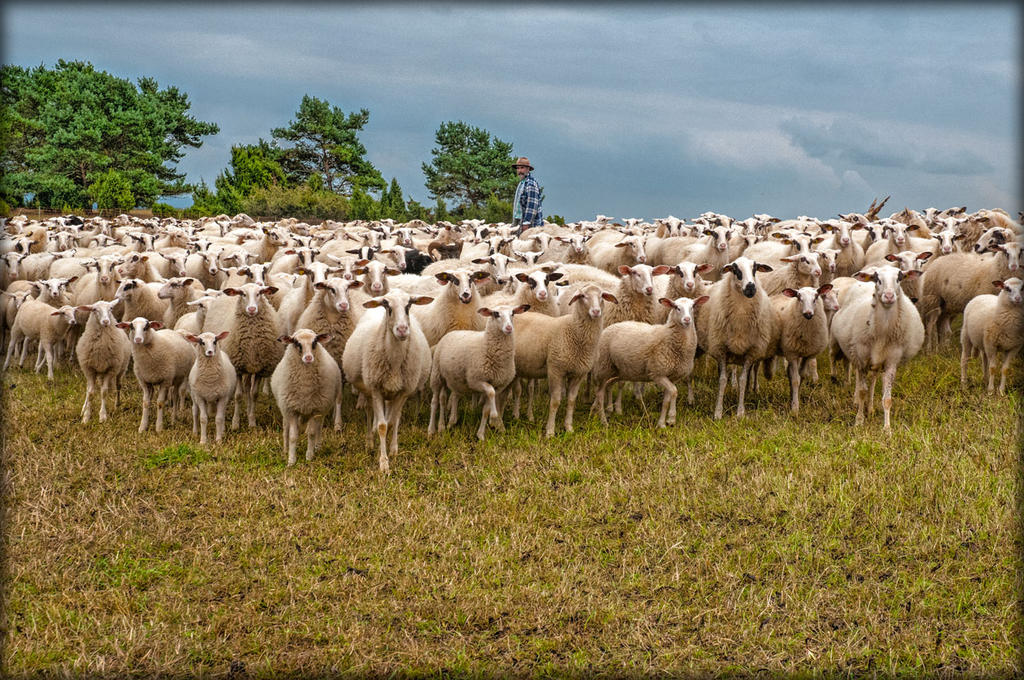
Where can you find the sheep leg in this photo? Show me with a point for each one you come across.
(369, 426)
(222, 407)
(498, 421)
(965, 355)
(517, 390)
(394, 418)
(147, 396)
(196, 418)
(529, 400)
(742, 382)
(24, 351)
(291, 436)
(161, 400)
(888, 377)
(723, 381)
(575, 382)
(240, 380)
(90, 387)
(810, 370)
(434, 398)
(668, 402)
(489, 410)
(251, 406)
(117, 399)
(873, 377)
(380, 424)
(793, 368)
(313, 430)
(10, 349)
(555, 388)
(104, 388)
(860, 394)
(337, 411)
(453, 407)
(619, 389)
(599, 398)
(40, 358)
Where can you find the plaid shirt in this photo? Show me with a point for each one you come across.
(529, 201)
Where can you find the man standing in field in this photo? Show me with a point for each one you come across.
(526, 211)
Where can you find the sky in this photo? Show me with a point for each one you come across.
(624, 110)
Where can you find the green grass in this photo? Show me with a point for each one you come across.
(798, 545)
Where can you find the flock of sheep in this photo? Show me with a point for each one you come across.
(213, 307)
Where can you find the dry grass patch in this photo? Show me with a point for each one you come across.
(795, 545)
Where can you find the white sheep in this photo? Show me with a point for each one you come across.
(211, 381)
(663, 354)
(103, 352)
(162, 360)
(737, 326)
(560, 349)
(993, 324)
(387, 359)
(455, 308)
(802, 327)
(478, 361)
(877, 328)
(306, 384)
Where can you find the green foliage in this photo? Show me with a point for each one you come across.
(441, 213)
(362, 206)
(5, 208)
(112, 190)
(164, 210)
(557, 219)
(300, 201)
(205, 201)
(392, 204)
(68, 126)
(325, 140)
(469, 165)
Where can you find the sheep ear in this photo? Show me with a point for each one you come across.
(422, 300)
(354, 251)
(520, 309)
(764, 267)
(481, 260)
(610, 298)
(57, 313)
(144, 258)
(223, 334)
(862, 276)
(355, 284)
(71, 280)
(320, 285)
(789, 258)
(817, 239)
(231, 291)
(823, 290)
(662, 269)
(370, 304)
(704, 267)
(623, 269)
(392, 272)
(155, 325)
(479, 276)
(700, 301)
(191, 338)
(522, 276)
(554, 276)
(324, 337)
(443, 277)
(284, 338)
(123, 324)
(620, 244)
(891, 258)
(665, 302)
(911, 274)
(789, 292)
(84, 308)
(575, 297)
(925, 255)
(483, 311)
(998, 284)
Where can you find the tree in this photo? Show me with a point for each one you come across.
(325, 140)
(392, 203)
(112, 191)
(469, 165)
(68, 126)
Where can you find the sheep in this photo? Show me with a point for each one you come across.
(141, 300)
(162, 359)
(684, 280)
(802, 327)
(623, 250)
(179, 291)
(850, 257)
(14, 301)
(635, 293)
(455, 308)
(479, 361)
(193, 321)
(305, 383)
(387, 359)
(103, 353)
(252, 347)
(898, 239)
(138, 266)
(560, 349)
(331, 313)
(43, 323)
(878, 328)
(994, 324)
(534, 289)
(737, 326)
(952, 281)
(100, 284)
(211, 380)
(802, 269)
(715, 250)
(663, 354)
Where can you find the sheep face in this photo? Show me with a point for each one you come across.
(207, 342)
(529, 257)
(743, 271)
(887, 283)
(828, 258)
(174, 287)
(462, 282)
(256, 272)
(807, 298)
(636, 246)
(134, 265)
(502, 316)
(908, 259)
(177, 261)
(806, 263)
(305, 342)
(538, 282)
(140, 329)
(249, 296)
(396, 306)
(640, 277)
(590, 298)
(103, 309)
(346, 266)
(843, 238)
(683, 309)
(498, 266)
(68, 312)
(1012, 251)
(336, 292)
(690, 272)
(1011, 288)
(577, 243)
(375, 275)
(52, 289)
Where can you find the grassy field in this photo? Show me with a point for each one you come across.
(789, 545)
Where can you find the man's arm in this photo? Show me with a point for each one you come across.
(531, 203)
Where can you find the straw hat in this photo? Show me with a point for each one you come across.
(522, 160)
